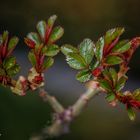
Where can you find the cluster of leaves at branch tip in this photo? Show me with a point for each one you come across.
(97, 61)
(43, 44)
(8, 64)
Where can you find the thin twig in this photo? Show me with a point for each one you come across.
(57, 107)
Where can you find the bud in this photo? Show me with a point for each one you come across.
(20, 87)
(35, 79)
(96, 72)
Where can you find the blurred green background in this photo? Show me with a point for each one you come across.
(20, 117)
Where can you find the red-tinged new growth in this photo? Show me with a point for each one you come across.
(97, 71)
(35, 79)
(8, 65)
(43, 49)
(7, 45)
(96, 62)
(43, 44)
(113, 94)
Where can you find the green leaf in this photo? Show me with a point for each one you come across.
(51, 50)
(76, 61)
(5, 35)
(136, 94)
(122, 47)
(113, 60)
(48, 62)
(112, 34)
(114, 75)
(86, 49)
(107, 75)
(105, 85)
(131, 113)
(110, 97)
(41, 28)
(12, 43)
(56, 34)
(94, 64)
(34, 37)
(51, 20)
(83, 76)
(9, 62)
(66, 49)
(99, 48)
(2, 72)
(32, 58)
(121, 83)
(14, 70)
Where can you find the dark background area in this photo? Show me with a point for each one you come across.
(20, 117)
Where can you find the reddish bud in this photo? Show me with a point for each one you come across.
(4, 51)
(134, 45)
(38, 79)
(5, 80)
(109, 47)
(96, 72)
(48, 32)
(135, 42)
(31, 44)
(134, 103)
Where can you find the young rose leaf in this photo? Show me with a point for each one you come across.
(121, 83)
(31, 44)
(86, 49)
(12, 43)
(112, 34)
(107, 75)
(99, 48)
(105, 85)
(136, 94)
(51, 50)
(110, 97)
(49, 28)
(83, 76)
(122, 47)
(76, 61)
(32, 58)
(41, 28)
(5, 35)
(97, 71)
(113, 60)
(56, 34)
(48, 62)
(2, 72)
(66, 49)
(13, 70)
(34, 37)
(114, 75)
(94, 64)
(135, 43)
(51, 20)
(9, 62)
(131, 113)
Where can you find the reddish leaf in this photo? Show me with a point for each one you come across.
(96, 72)
(29, 43)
